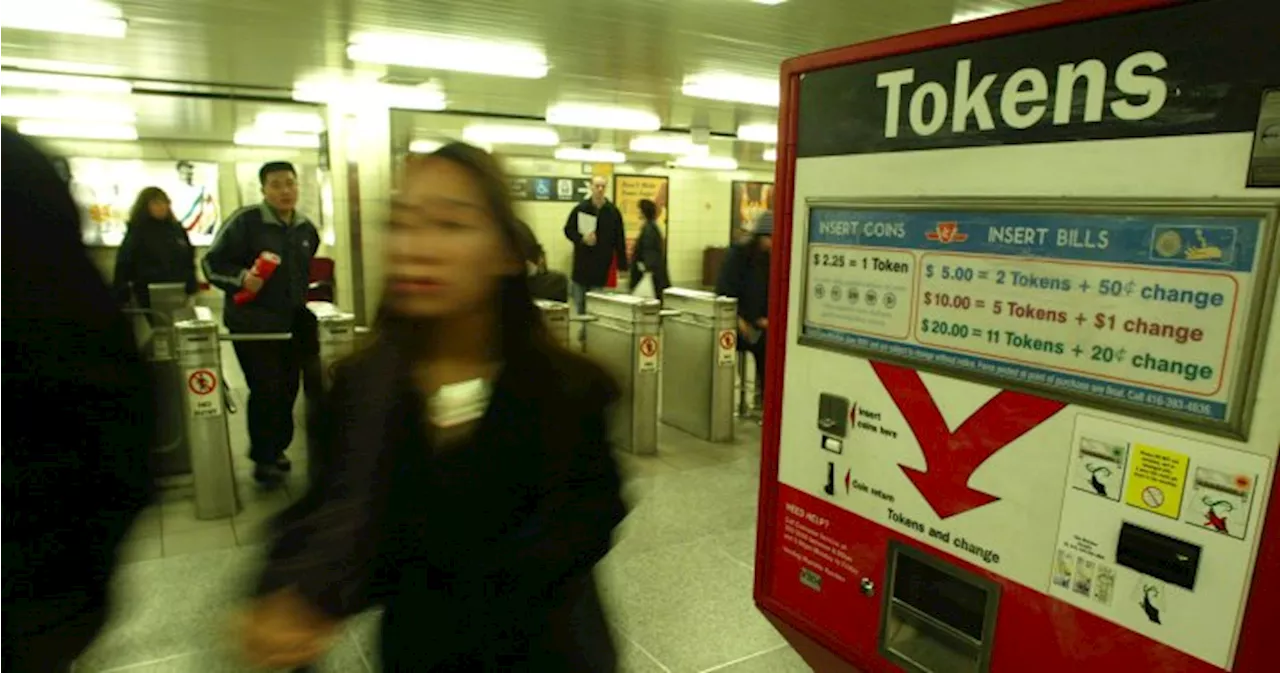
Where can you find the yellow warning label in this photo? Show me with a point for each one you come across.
(1156, 479)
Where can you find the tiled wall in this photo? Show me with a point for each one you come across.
(699, 212)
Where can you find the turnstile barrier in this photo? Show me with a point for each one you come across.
(700, 333)
(624, 336)
(555, 315)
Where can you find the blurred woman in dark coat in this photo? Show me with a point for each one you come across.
(469, 487)
(155, 250)
(650, 254)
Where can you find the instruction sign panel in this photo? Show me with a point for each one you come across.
(727, 348)
(1149, 310)
(649, 346)
(1156, 480)
(203, 400)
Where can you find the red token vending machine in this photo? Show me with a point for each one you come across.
(1023, 403)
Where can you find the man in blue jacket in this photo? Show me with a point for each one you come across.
(272, 369)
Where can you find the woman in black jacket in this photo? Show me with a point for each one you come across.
(469, 486)
(650, 254)
(155, 249)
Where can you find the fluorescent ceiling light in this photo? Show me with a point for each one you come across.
(768, 2)
(449, 53)
(72, 17)
(301, 122)
(60, 66)
(602, 117)
(485, 134)
(732, 88)
(39, 80)
(668, 144)
(66, 109)
(85, 130)
(425, 146)
(758, 133)
(960, 16)
(713, 163)
(425, 97)
(592, 156)
(257, 137)
(770, 154)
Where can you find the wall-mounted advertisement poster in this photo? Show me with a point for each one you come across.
(104, 190)
(749, 200)
(629, 191)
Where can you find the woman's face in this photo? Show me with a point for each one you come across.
(159, 209)
(446, 254)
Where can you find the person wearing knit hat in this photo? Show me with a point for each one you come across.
(745, 276)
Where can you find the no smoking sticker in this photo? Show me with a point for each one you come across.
(1156, 480)
(726, 353)
(648, 354)
(202, 402)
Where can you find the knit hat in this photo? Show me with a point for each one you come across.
(764, 224)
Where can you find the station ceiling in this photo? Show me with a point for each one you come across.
(618, 52)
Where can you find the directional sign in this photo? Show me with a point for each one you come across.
(546, 188)
(952, 457)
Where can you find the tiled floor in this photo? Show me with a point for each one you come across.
(677, 584)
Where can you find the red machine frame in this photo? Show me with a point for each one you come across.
(1034, 630)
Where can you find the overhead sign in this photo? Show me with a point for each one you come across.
(542, 188)
(1151, 311)
(1121, 77)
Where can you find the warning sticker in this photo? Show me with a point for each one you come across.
(1156, 480)
(202, 400)
(726, 353)
(648, 354)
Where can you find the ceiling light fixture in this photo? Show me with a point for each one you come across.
(602, 117)
(758, 133)
(71, 17)
(449, 53)
(257, 137)
(299, 122)
(733, 88)
(38, 80)
(669, 144)
(484, 134)
(425, 146)
(60, 66)
(770, 154)
(590, 156)
(426, 97)
(710, 163)
(769, 2)
(83, 130)
(66, 109)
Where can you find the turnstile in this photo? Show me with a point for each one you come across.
(337, 335)
(199, 366)
(624, 336)
(700, 335)
(555, 315)
(170, 454)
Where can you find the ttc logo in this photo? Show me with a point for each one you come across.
(947, 232)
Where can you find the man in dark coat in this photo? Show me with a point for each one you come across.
(595, 228)
(80, 410)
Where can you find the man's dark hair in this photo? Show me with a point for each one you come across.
(649, 209)
(185, 164)
(274, 167)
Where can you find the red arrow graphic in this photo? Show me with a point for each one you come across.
(952, 457)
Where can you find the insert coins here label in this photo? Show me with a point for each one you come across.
(648, 348)
(202, 398)
(726, 352)
(1156, 480)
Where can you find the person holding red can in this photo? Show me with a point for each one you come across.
(261, 258)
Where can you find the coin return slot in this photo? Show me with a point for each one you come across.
(937, 618)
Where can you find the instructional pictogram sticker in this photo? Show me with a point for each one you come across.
(727, 352)
(648, 353)
(202, 400)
